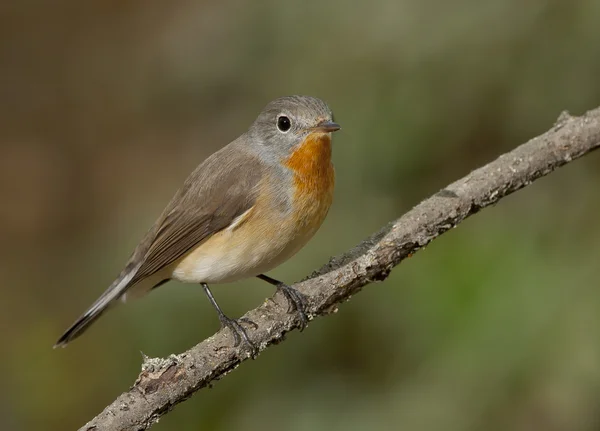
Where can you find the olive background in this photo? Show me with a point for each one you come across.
(105, 108)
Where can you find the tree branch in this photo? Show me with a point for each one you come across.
(166, 382)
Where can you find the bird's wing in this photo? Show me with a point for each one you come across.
(216, 193)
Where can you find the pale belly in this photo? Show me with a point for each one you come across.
(255, 247)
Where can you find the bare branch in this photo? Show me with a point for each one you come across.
(166, 382)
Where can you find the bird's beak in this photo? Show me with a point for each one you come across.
(326, 126)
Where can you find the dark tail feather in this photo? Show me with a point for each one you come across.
(80, 326)
(114, 292)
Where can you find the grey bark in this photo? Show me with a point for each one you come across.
(163, 383)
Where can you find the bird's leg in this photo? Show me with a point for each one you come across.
(296, 300)
(236, 329)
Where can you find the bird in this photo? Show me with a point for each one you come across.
(246, 209)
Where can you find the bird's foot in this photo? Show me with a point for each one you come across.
(296, 302)
(239, 333)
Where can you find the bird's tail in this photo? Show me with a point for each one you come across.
(114, 292)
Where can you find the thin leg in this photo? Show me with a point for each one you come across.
(236, 329)
(295, 299)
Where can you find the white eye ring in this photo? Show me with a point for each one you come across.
(284, 124)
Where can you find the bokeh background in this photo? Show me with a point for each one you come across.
(106, 106)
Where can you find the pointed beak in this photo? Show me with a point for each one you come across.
(326, 126)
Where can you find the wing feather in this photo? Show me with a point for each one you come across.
(216, 193)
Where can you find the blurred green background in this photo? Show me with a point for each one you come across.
(107, 106)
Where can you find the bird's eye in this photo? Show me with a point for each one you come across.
(283, 123)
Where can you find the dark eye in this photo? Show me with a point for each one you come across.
(283, 123)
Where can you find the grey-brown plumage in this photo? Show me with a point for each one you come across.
(219, 226)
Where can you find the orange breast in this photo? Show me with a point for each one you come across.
(314, 179)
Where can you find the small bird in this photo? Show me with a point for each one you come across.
(243, 211)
